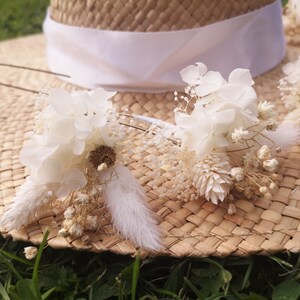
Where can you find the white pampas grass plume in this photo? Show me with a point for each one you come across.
(28, 200)
(287, 134)
(131, 216)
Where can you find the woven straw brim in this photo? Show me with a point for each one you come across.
(194, 228)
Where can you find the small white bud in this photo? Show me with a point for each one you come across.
(270, 165)
(264, 153)
(30, 252)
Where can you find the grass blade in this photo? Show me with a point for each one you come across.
(3, 292)
(135, 276)
(35, 277)
(10, 267)
(193, 288)
(15, 257)
(48, 293)
(247, 274)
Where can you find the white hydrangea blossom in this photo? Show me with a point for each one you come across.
(72, 125)
(213, 118)
(226, 119)
(295, 7)
(290, 84)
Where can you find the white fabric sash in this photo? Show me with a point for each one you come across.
(151, 62)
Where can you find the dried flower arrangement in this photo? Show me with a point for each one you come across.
(291, 21)
(222, 147)
(227, 139)
(73, 156)
(290, 90)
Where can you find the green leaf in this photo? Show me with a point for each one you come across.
(287, 290)
(254, 296)
(105, 292)
(25, 289)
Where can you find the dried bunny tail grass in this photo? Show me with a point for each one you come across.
(131, 216)
(286, 135)
(29, 200)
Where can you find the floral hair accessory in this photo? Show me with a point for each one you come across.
(227, 139)
(291, 21)
(290, 90)
(74, 158)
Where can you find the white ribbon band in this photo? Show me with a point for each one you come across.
(138, 61)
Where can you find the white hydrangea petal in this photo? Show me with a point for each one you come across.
(288, 68)
(221, 118)
(241, 77)
(83, 124)
(50, 171)
(214, 77)
(98, 100)
(63, 191)
(61, 101)
(203, 90)
(75, 179)
(191, 74)
(79, 107)
(237, 95)
(221, 141)
(204, 148)
(99, 120)
(230, 92)
(60, 132)
(185, 120)
(209, 84)
(82, 135)
(78, 146)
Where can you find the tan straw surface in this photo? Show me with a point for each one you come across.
(194, 228)
(148, 15)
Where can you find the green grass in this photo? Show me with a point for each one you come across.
(21, 17)
(67, 274)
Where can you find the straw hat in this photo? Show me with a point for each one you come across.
(189, 228)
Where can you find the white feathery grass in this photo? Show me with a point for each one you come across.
(28, 200)
(131, 216)
(287, 134)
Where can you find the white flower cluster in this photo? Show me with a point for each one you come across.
(227, 119)
(70, 127)
(290, 88)
(294, 10)
(291, 22)
(223, 110)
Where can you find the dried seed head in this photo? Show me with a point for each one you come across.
(102, 155)
(231, 209)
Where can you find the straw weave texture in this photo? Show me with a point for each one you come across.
(193, 228)
(148, 15)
